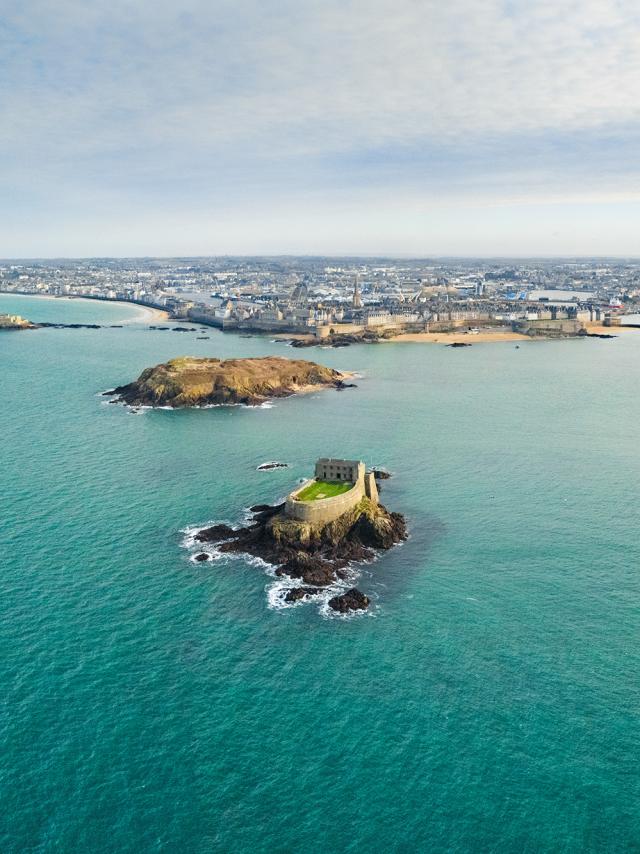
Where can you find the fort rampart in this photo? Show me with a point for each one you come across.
(324, 510)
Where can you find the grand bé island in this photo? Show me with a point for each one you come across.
(325, 526)
(191, 382)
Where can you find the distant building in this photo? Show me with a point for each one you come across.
(330, 469)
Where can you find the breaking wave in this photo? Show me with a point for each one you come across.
(277, 588)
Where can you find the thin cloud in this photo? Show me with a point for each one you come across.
(236, 104)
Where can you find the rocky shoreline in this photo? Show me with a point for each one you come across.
(342, 339)
(317, 557)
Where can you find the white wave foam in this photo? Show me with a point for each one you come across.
(278, 589)
(267, 404)
(279, 585)
(329, 614)
(189, 540)
(214, 555)
(271, 465)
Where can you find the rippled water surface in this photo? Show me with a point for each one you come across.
(489, 703)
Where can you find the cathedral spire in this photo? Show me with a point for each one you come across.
(356, 301)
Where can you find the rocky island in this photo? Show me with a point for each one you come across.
(325, 526)
(342, 339)
(190, 381)
(14, 321)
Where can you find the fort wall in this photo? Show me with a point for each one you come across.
(323, 510)
(371, 487)
(548, 328)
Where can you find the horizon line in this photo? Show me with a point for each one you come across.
(312, 256)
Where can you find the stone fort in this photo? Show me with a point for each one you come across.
(320, 511)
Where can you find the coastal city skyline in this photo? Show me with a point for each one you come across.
(341, 301)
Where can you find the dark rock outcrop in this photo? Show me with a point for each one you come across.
(339, 339)
(585, 334)
(215, 534)
(202, 557)
(312, 570)
(381, 474)
(317, 555)
(298, 593)
(69, 326)
(352, 600)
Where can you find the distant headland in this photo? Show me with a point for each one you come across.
(325, 526)
(190, 381)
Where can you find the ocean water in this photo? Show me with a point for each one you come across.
(489, 702)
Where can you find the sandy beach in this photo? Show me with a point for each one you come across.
(483, 337)
(144, 314)
(148, 314)
(459, 337)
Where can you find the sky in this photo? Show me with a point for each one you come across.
(385, 127)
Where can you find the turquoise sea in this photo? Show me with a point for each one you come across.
(489, 703)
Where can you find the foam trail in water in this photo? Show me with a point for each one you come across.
(280, 585)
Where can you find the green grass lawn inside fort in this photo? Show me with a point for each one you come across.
(324, 489)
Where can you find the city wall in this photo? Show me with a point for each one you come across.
(548, 328)
(325, 330)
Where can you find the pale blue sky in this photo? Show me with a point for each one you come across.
(374, 127)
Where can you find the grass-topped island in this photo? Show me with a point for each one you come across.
(324, 527)
(319, 489)
(190, 381)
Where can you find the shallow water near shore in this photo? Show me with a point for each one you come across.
(491, 701)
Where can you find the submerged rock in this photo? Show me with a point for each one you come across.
(298, 593)
(381, 474)
(344, 339)
(312, 570)
(215, 534)
(69, 326)
(352, 600)
(585, 334)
